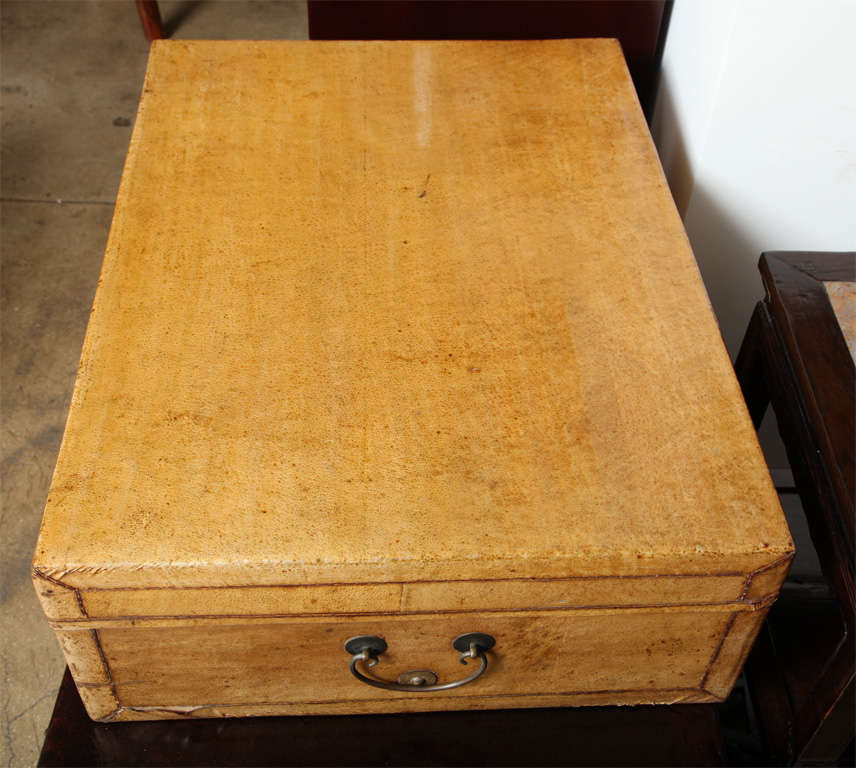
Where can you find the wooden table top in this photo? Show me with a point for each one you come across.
(842, 298)
(379, 310)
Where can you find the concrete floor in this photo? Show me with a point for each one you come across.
(71, 74)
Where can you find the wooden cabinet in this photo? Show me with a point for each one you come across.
(384, 346)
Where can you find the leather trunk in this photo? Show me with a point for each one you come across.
(404, 340)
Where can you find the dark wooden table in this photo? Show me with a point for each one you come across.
(795, 357)
(656, 736)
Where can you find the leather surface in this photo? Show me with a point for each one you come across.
(395, 311)
(395, 338)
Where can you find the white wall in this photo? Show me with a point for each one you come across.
(755, 122)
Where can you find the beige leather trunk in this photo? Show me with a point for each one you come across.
(401, 340)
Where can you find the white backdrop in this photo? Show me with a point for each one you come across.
(755, 122)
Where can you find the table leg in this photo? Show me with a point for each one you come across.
(750, 367)
(150, 18)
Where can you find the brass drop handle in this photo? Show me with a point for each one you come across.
(366, 649)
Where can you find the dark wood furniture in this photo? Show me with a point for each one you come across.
(150, 18)
(795, 357)
(656, 736)
(639, 25)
